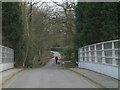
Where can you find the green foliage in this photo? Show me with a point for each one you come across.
(59, 49)
(70, 65)
(118, 7)
(12, 21)
(69, 52)
(13, 28)
(95, 22)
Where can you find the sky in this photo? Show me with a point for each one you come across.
(64, 0)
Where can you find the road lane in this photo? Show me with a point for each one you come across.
(50, 76)
(56, 54)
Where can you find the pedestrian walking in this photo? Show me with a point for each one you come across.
(56, 59)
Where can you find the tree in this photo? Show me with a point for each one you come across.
(12, 29)
(95, 23)
(67, 8)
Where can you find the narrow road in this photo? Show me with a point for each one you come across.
(50, 76)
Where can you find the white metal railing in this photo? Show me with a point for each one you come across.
(6, 55)
(103, 53)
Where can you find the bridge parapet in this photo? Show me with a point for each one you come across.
(6, 58)
(103, 57)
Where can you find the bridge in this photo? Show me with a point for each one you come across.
(103, 57)
(6, 58)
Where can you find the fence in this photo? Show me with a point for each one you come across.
(102, 57)
(6, 58)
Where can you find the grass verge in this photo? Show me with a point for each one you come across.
(70, 65)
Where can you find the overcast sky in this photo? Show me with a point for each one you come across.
(64, 0)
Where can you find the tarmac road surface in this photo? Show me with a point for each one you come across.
(50, 76)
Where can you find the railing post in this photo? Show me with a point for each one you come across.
(81, 57)
(89, 54)
(0, 54)
(95, 53)
(5, 55)
(85, 54)
(103, 54)
(12, 55)
(113, 54)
